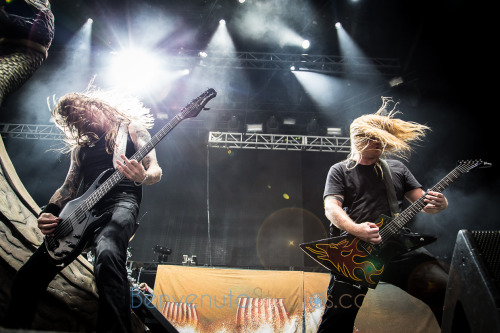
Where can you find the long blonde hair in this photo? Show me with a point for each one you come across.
(78, 114)
(396, 135)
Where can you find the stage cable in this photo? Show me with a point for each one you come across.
(208, 209)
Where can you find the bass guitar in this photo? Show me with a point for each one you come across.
(363, 263)
(79, 221)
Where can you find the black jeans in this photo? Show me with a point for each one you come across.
(110, 242)
(418, 273)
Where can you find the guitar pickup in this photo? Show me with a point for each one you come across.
(61, 253)
(70, 244)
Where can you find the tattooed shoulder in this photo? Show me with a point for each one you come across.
(140, 135)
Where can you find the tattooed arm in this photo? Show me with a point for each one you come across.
(48, 220)
(69, 188)
(148, 171)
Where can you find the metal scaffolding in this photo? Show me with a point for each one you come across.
(224, 140)
(328, 64)
(228, 140)
(30, 131)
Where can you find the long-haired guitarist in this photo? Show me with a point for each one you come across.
(355, 195)
(102, 128)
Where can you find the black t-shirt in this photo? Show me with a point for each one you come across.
(94, 160)
(363, 188)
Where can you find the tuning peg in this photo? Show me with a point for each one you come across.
(486, 165)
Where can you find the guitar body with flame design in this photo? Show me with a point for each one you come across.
(363, 263)
(360, 262)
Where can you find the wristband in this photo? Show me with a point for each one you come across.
(51, 208)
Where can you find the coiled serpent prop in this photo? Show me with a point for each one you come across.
(26, 32)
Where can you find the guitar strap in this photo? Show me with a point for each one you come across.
(410, 240)
(389, 186)
(120, 142)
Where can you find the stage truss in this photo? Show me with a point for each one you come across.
(272, 61)
(327, 64)
(222, 140)
(231, 140)
(30, 131)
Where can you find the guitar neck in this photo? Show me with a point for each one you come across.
(101, 191)
(404, 217)
(144, 150)
(117, 176)
(189, 111)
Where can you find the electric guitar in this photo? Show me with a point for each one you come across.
(78, 221)
(363, 263)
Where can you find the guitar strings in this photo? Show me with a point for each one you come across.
(418, 205)
(66, 225)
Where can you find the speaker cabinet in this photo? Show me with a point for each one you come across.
(148, 276)
(472, 302)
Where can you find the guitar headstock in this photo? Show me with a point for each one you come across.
(194, 108)
(468, 165)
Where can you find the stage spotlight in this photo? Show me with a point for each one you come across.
(350, 51)
(162, 115)
(396, 81)
(77, 57)
(241, 1)
(338, 25)
(333, 131)
(254, 128)
(292, 68)
(135, 69)
(221, 41)
(202, 54)
(89, 20)
(325, 90)
(305, 44)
